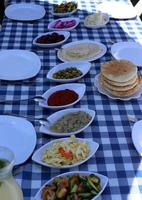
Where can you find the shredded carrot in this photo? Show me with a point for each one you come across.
(66, 154)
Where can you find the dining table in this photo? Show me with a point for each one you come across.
(116, 156)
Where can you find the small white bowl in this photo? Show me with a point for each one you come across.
(57, 115)
(93, 146)
(45, 45)
(83, 66)
(51, 24)
(63, 14)
(79, 88)
(106, 20)
(103, 182)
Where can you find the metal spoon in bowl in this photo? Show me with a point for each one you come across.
(43, 121)
(35, 98)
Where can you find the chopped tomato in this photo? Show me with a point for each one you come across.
(66, 154)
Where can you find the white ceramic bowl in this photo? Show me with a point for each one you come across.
(83, 66)
(103, 180)
(45, 45)
(63, 14)
(57, 115)
(106, 20)
(89, 59)
(93, 146)
(51, 24)
(79, 88)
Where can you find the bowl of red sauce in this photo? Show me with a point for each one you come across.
(63, 96)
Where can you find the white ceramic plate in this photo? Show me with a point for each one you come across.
(103, 180)
(63, 14)
(83, 66)
(117, 10)
(131, 51)
(137, 136)
(51, 24)
(106, 20)
(25, 11)
(57, 115)
(77, 87)
(102, 91)
(19, 135)
(93, 146)
(18, 64)
(45, 45)
(89, 59)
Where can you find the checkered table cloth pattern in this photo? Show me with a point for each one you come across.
(116, 156)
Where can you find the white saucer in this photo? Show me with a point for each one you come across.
(131, 51)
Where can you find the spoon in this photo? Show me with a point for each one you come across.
(43, 121)
(134, 119)
(35, 98)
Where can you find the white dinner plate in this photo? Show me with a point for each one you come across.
(79, 88)
(131, 51)
(66, 34)
(137, 136)
(25, 11)
(18, 135)
(103, 182)
(137, 95)
(106, 20)
(93, 146)
(117, 10)
(63, 14)
(89, 59)
(51, 24)
(83, 66)
(18, 64)
(57, 115)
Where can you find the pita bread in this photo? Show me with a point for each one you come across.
(119, 70)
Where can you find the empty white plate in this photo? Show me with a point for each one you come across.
(57, 115)
(103, 182)
(137, 95)
(51, 24)
(19, 135)
(25, 11)
(79, 88)
(18, 64)
(137, 136)
(131, 51)
(93, 146)
(66, 34)
(117, 10)
(83, 66)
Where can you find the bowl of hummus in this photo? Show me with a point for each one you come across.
(83, 50)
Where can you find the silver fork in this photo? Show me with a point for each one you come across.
(35, 98)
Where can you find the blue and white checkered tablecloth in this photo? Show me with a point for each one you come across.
(116, 157)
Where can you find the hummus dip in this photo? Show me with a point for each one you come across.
(80, 51)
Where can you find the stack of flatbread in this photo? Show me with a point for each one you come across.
(120, 78)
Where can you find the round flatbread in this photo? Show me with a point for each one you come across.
(119, 70)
